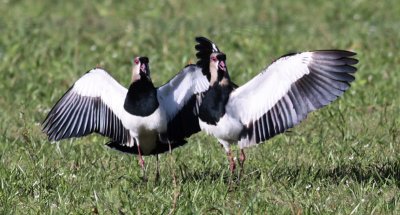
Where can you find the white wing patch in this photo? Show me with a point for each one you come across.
(290, 88)
(174, 94)
(257, 96)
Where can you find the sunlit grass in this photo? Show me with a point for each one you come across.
(342, 159)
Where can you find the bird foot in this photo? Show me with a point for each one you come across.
(232, 166)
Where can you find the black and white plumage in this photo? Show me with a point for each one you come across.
(275, 100)
(138, 120)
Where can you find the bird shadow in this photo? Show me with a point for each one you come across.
(379, 173)
(205, 174)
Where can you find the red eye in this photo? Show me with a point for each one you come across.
(213, 58)
(136, 61)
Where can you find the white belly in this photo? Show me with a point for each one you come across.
(146, 129)
(227, 128)
(155, 122)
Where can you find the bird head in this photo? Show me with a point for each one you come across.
(205, 48)
(218, 69)
(140, 69)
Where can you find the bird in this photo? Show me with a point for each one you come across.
(142, 119)
(278, 98)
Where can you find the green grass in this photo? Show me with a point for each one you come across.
(343, 159)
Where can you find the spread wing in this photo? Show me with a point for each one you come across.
(178, 98)
(93, 104)
(284, 93)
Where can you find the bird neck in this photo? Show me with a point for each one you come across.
(213, 104)
(217, 75)
(225, 81)
(141, 99)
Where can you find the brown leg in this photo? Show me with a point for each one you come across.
(232, 165)
(140, 158)
(141, 162)
(242, 158)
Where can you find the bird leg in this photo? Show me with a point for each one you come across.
(141, 161)
(140, 158)
(232, 165)
(242, 158)
(157, 169)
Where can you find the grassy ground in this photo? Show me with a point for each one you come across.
(342, 159)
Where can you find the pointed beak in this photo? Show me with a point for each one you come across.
(222, 66)
(144, 68)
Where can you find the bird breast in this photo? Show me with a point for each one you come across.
(157, 121)
(227, 128)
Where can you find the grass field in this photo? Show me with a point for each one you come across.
(343, 159)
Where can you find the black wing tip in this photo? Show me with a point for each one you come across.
(350, 78)
(345, 59)
(329, 53)
(336, 52)
(354, 61)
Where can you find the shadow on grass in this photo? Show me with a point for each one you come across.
(214, 175)
(379, 173)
